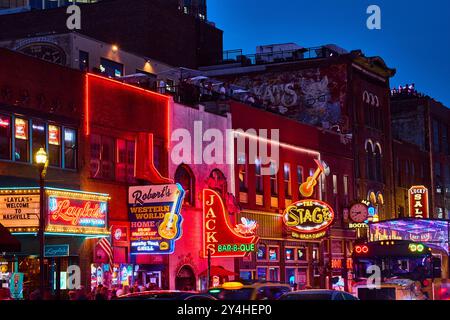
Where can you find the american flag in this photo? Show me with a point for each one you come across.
(106, 246)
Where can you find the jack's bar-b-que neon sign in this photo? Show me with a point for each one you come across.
(219, 237)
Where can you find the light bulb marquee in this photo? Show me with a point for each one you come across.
(68, 211)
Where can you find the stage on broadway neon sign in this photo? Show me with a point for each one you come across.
(155, 219)
(220, 238)
(309, 219)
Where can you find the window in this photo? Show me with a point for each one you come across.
(84, 60)
(70, 148)
(185, 178)
(378, 168)
(287, 181)
(54, 145)
(259, 177)
(247, 275)
(435, 136)
(32, 135)
(111, 68)
(444, 132)
(273, 253)
(102, 157)
(438, 175)
(290, 276)
(273, 179)
(302, 254)
(262, 252)
(346, 185)
(369, 163)
(289, 254)
(243, 179)
(38, 134)
(447, 178)
(335, 184)
(274, 276)
(125, 161)
(5, 137)
(22, 140)
(262, 273)
(299, 176)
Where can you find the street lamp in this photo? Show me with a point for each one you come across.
(42, 164)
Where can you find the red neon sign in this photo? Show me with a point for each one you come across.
(418, 202)
(219, 237)
(76, 212)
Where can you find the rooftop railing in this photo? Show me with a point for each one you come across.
(236, 56)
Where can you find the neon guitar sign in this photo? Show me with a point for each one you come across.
(155, 219)
(307, 188)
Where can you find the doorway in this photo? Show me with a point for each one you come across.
(185, 280)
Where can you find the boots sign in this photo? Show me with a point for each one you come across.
(219, 237)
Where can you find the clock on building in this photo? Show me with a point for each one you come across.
(46, 51)
(359, 213)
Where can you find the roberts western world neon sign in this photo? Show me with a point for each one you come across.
(219, 237)
(155, 218)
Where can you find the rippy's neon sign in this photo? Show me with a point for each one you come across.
(219, 237)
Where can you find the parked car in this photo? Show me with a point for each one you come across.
(318, 295)
(166, 295)
(255, 291)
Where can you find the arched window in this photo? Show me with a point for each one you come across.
(186, 179)
(378, 166)
(370, 160)
(217, 181)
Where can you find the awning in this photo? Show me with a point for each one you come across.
(432, 232)
(8, 243)
(218, 271)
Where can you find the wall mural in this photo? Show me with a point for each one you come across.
(313, 96)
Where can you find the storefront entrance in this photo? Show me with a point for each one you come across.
(185, 279)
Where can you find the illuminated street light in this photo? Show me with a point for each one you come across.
(42, 164)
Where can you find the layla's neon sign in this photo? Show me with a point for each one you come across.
(308, 219)
(78, 213)
(219, 237)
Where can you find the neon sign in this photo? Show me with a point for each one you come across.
(155, 219)
(21, 129)
(76, 212)
(54, 135)
(308, 219)
(219, 237)
(307, 188)
(418, 202)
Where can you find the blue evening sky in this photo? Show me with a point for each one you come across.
(414, 39)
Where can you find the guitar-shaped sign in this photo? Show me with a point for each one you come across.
(307, 188)
(168, 228)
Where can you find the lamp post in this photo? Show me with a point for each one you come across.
(42, 163)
